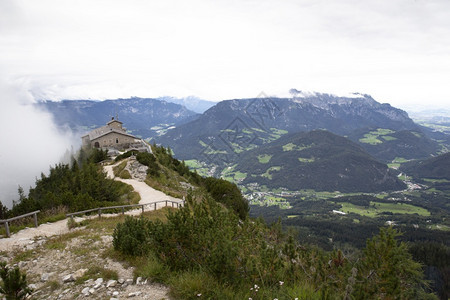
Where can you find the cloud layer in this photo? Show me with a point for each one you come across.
(398, 51)
(30, 142)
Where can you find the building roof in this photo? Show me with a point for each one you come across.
(113, 120)
(93, 135)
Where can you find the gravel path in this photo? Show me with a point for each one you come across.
(148, 194)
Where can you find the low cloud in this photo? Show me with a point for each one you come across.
(30, 141)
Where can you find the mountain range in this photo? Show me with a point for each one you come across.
(235, 133)
(233, 126)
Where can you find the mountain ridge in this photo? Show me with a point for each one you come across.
(255, 120)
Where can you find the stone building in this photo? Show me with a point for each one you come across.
(114, 136)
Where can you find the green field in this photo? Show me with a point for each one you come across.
(200, 168)
(230, 174)
(432, 180)
(268, 172)
(193, 164)
(306, 160)
(372, 137)
(389, 138)
(264, 158)
(376, 208)
(292, 147)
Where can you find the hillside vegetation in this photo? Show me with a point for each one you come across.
(435, 168)
(206, 251)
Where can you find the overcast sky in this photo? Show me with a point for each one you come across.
(396, 50)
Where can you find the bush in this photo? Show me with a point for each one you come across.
(131, 237)
(126, 155)
(228, 194)
(149, 160)
(14, 283)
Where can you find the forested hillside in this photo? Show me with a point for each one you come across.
(317, 160)
(81, 185)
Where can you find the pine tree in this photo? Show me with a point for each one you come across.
(14, 283)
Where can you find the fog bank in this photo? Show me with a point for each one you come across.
(30, 141)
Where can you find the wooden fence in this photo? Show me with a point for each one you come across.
(33, 213)
(99, 209)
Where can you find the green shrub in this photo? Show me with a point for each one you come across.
(131, 237)
(14, 282)
(125, 174)
(149, 160)
(228, 194)
(126, 155)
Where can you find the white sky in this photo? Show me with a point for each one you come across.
(396, 50)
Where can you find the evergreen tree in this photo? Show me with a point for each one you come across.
(14, 283)
(388, 270)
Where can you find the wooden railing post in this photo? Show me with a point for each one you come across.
(99, 213)
(166, 202)
(8, 234)
(35, 220)
(142, 208)
(155, 205)
(123, 210)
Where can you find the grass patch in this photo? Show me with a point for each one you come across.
(370, 139)
(198, 285)
(306, 160)
(23, 256)
(119, 168)
(439, 227)
(151, 267)
(125, 174)
(268, 173)
(193, 164)
(389, 138)
(292, 147)
(393, 165)
(95, 272)
(60, 242)
(119, 171)
(264, 158)
(377, 208)
(436, 180)
(400, 160)
(52, 285)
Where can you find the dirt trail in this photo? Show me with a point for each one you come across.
(148, 194)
